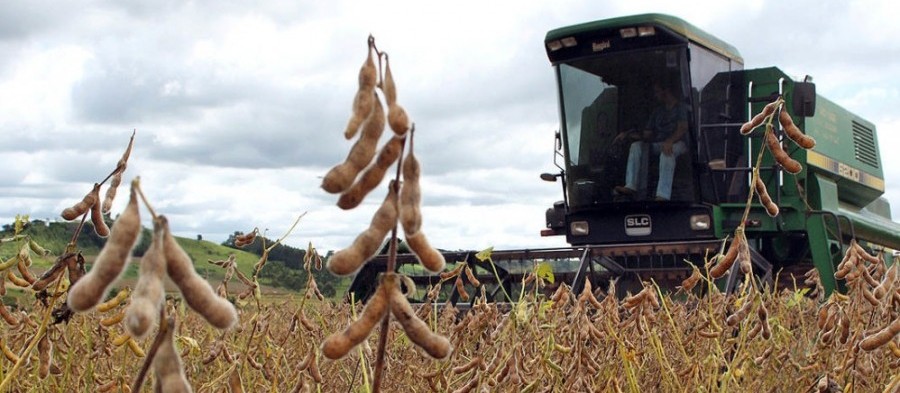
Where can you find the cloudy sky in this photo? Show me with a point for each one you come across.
(239, 110)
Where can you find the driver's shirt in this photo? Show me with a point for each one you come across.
(663, 121)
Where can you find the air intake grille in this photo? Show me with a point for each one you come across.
(864, 145)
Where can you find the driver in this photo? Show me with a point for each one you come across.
(666, 131)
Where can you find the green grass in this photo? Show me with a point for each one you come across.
(202, 251)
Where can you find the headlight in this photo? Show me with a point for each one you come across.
(700, 222)
(554, 45)
(644, 31)
(569, 42)
(579, 228)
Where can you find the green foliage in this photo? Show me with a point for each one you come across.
(53, 236)
(290, 256)
(544, 271)
(797, 298)
(277, 273)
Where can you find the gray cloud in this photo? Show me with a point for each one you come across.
(239, 111)
(22, 19)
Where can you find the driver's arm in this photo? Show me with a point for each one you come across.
(680, 130)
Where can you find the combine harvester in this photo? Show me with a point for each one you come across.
(607, 72)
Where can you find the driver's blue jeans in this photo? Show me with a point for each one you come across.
(666, 166)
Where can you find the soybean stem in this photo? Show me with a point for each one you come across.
(391, 266)
(136, 183)
(74, 241)
(286, 234)
(164, 325)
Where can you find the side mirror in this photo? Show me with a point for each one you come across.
(804, 102)
(549, 177)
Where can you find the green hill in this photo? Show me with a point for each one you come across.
(55, 236)
(283, 270)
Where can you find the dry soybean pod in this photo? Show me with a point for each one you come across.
(340, 177)
(44, 352)
(844, 326)
(887, 283)
(363, 151)
(689, 283)
(453, 273)
(7, 316)
(307, 324)
(167, 364)
(71, 213)
(366, 245)
(75, 268)
(23, 264)
(313, 369)
(587, 296)
(53, 273)
(15, 280)
(338, 345)
(763, 314)
(411, 194)
(882, 337)
(149, 293)
(635, 300)
(100, 227)
(865, 254)
(245, 239)
(111, 261)
(398, 119)
(213, 352)
(823, 315)
(730, 256)
(196, 291)
(847, 264)
(372, 175)
(743, 259)
(793, 132)
(431, 259)
(765, 199)
(474, 362)
(418, 332)
(789, 164)
(757, 120)
(363, 101)
(470, 275)
(116, 178)
(461, 289)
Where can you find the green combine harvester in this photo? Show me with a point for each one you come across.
(606, 71)
(630, 213)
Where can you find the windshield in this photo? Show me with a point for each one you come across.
(625, 123)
